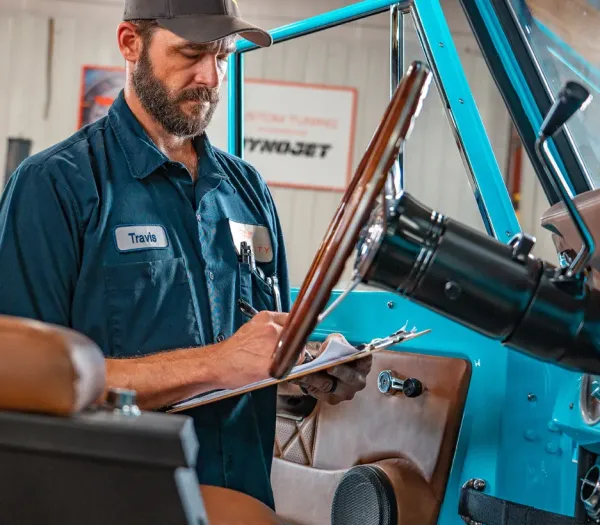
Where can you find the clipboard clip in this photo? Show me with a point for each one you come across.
(397, 337)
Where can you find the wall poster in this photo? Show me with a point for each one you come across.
(100, 86)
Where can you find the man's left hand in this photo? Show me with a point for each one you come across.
(340, 383)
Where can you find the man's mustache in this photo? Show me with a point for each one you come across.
(199, 95)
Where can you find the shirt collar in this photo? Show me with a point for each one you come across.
(142, 155)
(207, 159)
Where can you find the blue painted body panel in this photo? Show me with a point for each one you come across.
(505, 438)
(518, 432)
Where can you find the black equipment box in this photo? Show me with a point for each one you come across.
(101, 467)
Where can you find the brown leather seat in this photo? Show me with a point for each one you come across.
(228, 507)
(564, 235)
(47, 369)
(52, 370)
(412, 440)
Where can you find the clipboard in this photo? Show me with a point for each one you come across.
(346, 352)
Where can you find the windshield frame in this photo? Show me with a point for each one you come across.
(524, 88)
(546, 81)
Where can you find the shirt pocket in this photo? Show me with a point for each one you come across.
(254, 289)
(151, 307)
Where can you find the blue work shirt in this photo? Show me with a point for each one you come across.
(104, 234)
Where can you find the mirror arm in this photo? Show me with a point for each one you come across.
(583, 257)
(572, 98)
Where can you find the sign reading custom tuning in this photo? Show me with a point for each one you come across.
(295, 135)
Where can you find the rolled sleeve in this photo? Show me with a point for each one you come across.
(39, 247)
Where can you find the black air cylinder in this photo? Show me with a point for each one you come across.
(496, 289)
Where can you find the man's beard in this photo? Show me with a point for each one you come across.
(164, 107)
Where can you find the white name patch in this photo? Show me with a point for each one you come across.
(257, 237)
(131, 238)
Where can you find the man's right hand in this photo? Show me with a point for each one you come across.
(245, 357)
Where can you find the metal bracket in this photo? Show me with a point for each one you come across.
(522, 245)
(397, 337)
(478, 485)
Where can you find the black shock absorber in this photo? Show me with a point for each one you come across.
(499, 290)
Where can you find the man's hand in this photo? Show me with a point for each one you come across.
(245, 357)
(340, 383)
(166, 378)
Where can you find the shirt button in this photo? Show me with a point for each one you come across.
(220, 338)
(198, 217)
(211, 276)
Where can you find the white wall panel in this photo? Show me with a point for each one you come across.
(533, 205)
(355, 55)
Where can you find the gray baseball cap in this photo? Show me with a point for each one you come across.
(198, 21)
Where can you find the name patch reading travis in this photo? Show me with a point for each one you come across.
(131, 238)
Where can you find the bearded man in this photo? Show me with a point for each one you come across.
(131, 231)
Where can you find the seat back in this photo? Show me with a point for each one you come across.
(411, 440)
(47, 369)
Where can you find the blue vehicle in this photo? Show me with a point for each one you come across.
(486, 413)
(504, 430)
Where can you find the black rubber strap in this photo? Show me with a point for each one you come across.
(480, 507)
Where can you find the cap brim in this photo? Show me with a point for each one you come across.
(209, 28)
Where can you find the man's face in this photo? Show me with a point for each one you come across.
(178, 82)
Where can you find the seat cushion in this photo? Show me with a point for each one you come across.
(229, 507)
(304, 496)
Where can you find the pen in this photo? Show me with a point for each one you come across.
(247, 309)
(246, 255)
(273, 282)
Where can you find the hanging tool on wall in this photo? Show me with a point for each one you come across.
(49, 62)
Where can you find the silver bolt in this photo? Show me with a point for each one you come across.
(461, 101)
(479, 484)
(441, 44)
(390, 304)
(452, 290)
(531, 397)
(123, 402)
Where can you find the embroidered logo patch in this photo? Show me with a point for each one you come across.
(131, 238)
(257, 237)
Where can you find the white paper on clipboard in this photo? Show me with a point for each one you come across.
(336, 352)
